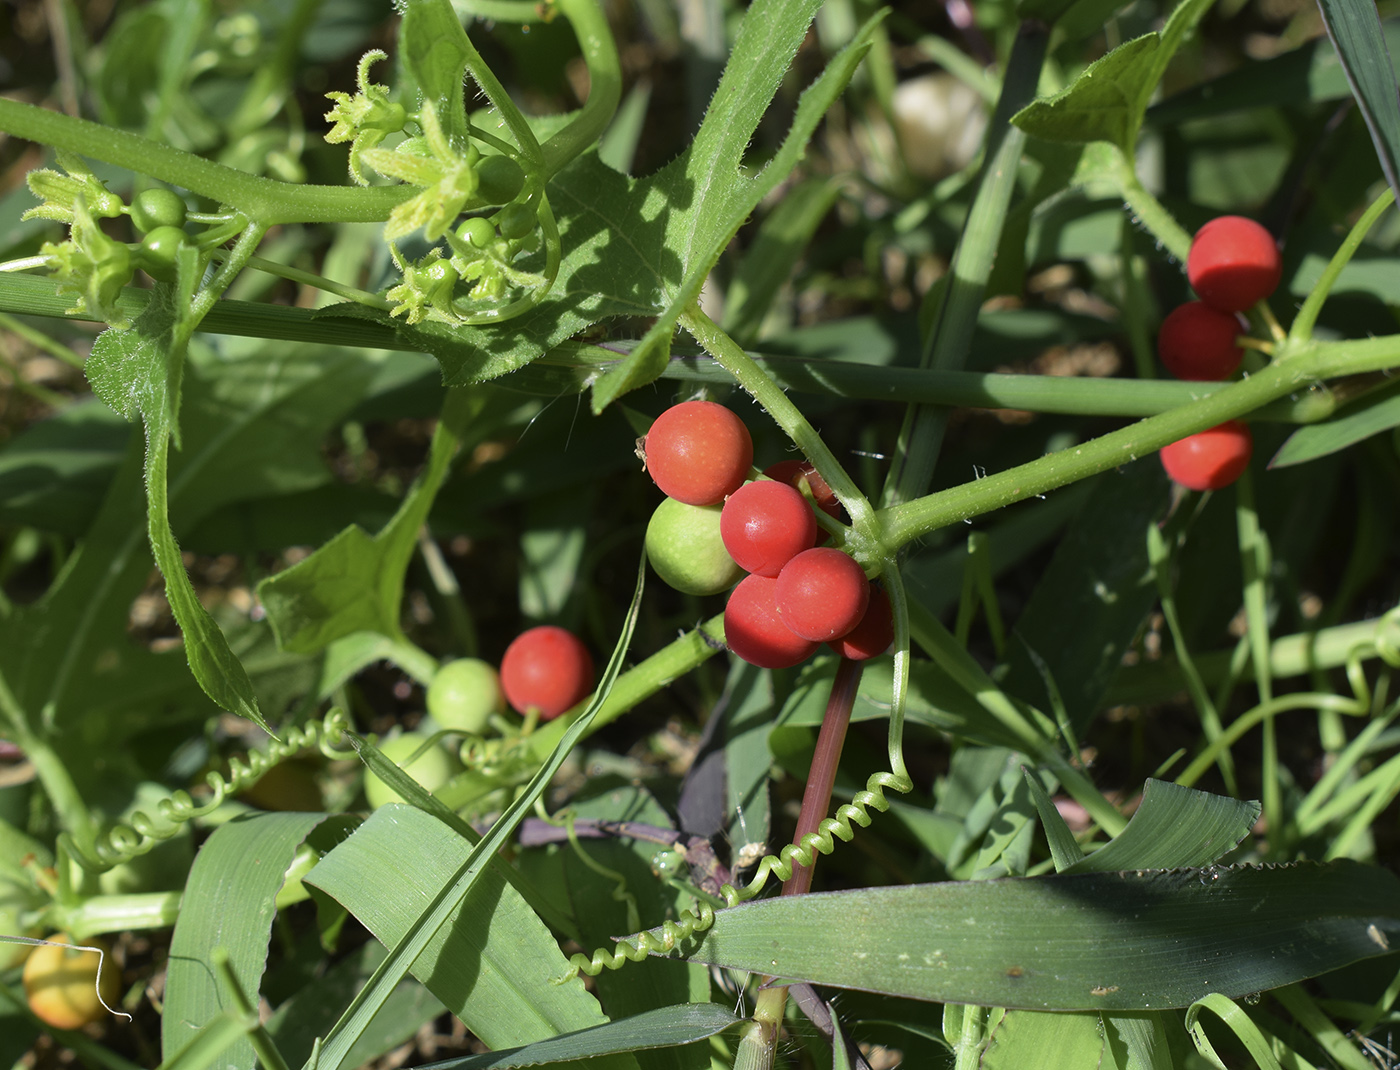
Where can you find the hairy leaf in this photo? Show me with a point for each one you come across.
(1109, 98)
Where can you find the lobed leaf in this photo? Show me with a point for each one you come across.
(1108, 100)
(354, 582)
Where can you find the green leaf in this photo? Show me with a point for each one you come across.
(1109, 98)
(1027, 1038)
(497, 977)
(1239, 1021)
(434, 48)
(1367, 418)
(234, 880)
(1064, 849)
(140, 371)
(1174, 827)
(54, 474)
(709, 183)
(604, 904)
(213, 662)
(428, 925)
(1356, 32)
(665, 1027)
(1140, 940)
(307, 1015)
(354, 583)
(1103, 104)
(1138, 1042)
(644, 247)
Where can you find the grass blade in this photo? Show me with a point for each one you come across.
(1359, 38)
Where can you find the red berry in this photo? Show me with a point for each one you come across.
(754, 631)
(795, 473)
(547, 668)
(1198, 342)
(873, 635)
(821, 594)
(1234, 263)
(697, 452)
(1210, 459)
(765, 525)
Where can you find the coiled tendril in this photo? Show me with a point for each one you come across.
(140, 832)
(673, 932)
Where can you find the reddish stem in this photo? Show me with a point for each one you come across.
(816, 800)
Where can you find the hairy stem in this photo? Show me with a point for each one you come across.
(263, 199)
(604, 85)
(1295, 369)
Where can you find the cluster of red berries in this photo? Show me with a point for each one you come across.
(797, 595)
(1233, 264)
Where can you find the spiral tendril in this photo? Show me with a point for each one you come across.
(692, 922)
(140, 832)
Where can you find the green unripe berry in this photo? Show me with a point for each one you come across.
(464, 694)
(515, 221)
(157, 207)
(499, 180)
(433, 768)
(478, 231)
(159, 250)
(684, 546)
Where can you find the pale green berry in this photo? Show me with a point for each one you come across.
(464, 694)
(684, 546)
(433, 768)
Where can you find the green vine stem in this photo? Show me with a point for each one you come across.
(1306, 319)
(140, 832)
(960, 299)
(263, 199)
(1289, 656)
(1147, 209)
(569, 368)
(309, 278)
(1297, 368)
(604, 85)
(95, 915)
(788, 416)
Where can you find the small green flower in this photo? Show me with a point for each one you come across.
(448, 178)
(92, 266)
(366, 118)
(427, 288)
(60, 192)
(491, 264)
